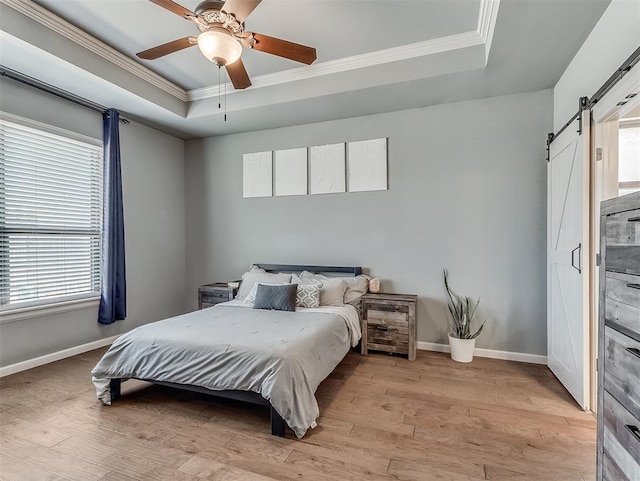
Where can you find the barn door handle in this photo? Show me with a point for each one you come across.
(634, 351)
(635, 432)
(633, 286)
(634, 219)
(573, 252)
(380, 327)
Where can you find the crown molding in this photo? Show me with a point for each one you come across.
(483, 35)
(82, 38)
(370, 59)
(487, 16)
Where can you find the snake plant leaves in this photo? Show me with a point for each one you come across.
(462, 310)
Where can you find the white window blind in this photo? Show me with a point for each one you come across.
(50, 216)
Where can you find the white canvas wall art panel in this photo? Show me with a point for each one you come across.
(367, 165)
(327, 169)
(290, 172)
(257, 179)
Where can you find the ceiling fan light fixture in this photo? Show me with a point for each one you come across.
(219, 46)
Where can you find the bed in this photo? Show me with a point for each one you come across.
(230, 350)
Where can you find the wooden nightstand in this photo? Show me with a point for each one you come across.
(389, 323)
(215, 293)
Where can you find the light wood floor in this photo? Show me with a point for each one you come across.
(382, 418)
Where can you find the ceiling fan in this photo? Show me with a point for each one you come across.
(222, 36)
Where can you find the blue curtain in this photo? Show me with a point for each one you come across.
(113, 295)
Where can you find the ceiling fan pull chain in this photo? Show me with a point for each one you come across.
(219, 106)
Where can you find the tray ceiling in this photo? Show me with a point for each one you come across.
(373, 56)
(336, 29)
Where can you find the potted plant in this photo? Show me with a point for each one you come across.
(462, 339)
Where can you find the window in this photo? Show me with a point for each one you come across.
(50, 215)
(629, 156)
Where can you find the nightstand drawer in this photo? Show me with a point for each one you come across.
(623, 242)
(380, 336)
(622, 369)
(622, 300)
(214, 297)
(398, 317)
(386, 329)
(621, 438)
(623, 228)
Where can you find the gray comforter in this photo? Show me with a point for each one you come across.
(283, 356)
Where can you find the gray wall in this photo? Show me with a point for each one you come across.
(467, 190)
(613, 39)
(154, 203)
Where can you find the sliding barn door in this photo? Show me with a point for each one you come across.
(567, 260)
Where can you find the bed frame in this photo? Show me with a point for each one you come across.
(278, 425)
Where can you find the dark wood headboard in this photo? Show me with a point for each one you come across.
(340, 270)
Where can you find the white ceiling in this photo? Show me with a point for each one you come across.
(373, 56)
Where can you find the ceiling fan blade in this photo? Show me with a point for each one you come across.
(174, 7)
(241, 9)
(238, 75)
(167, 48)
(283, 48)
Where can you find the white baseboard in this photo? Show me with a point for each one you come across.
(55, 356)
(506, 355)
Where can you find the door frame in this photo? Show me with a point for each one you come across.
(603, 166)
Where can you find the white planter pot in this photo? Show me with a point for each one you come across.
(462, 349)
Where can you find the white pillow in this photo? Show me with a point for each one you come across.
(356, 286)
(297, 279)
(255, 275)
(332, 292)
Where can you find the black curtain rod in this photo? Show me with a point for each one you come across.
(52, 90)
(588, 103)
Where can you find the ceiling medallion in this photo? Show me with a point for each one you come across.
(214, 18)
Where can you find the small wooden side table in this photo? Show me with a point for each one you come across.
(215, 293)
(389, 323)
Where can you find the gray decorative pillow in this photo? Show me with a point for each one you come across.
(308, 295)
(251, 297)
(276, 298)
